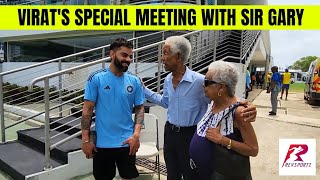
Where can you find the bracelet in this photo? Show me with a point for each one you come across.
(84, 142)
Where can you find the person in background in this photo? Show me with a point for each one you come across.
(253, 79)
(186, 102)
(275, 87)
(113, 93)
(268, 79)
(259, 80)
(248, 83)
(286, 80)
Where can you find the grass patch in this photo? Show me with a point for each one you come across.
(297, 87)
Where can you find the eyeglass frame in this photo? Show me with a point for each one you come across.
(208, 82)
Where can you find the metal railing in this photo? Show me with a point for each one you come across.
(46, 79)
(146, 65)
(17, 95)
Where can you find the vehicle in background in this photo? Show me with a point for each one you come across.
(312, 88)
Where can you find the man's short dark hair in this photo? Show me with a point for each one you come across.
(275, 68)
(119, 43)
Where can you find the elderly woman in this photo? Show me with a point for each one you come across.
(223, 129)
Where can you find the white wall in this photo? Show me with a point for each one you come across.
(266, 41)
(240, 88)
(263, 50)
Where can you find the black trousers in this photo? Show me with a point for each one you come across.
(106, 160)
(176, 152)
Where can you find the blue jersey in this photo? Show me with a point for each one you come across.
(276, 77)
(114, 99)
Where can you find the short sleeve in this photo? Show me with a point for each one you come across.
(139, 98)
(91, 89)
(274, 77)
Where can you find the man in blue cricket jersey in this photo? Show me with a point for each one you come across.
(113, 93)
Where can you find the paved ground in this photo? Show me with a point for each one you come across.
(295, 105)
(295, 119)
(265, 165)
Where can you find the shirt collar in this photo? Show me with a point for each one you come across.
(187, 75)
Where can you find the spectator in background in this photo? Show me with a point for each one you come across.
(268, 80)
(253, 79)
(248, 82)
(275, 87)
(259, 80)
(286, 80)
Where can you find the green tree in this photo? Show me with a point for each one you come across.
(303, 63)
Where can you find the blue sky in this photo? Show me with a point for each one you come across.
(289, 46)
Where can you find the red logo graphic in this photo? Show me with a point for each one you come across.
(294, 152)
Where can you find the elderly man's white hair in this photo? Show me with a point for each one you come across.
(179, 44)
(225, 73)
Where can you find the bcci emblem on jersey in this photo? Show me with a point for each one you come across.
(129, 89)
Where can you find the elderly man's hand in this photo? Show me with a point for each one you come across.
(134, 144)
(142, 83)
(250, 112)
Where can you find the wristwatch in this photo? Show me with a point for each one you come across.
(229, 145)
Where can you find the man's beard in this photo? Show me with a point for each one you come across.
(119, 65)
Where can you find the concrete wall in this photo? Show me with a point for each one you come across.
(240, 88)
(266, 41)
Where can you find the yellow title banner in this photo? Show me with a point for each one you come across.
(159, 17)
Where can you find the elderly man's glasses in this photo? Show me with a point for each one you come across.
(207, 82)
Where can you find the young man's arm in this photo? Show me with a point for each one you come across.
(90, 97)
(87, 111)
(133, 141)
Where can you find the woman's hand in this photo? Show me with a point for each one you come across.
(213, 134)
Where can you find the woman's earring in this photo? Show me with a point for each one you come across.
(219, 94)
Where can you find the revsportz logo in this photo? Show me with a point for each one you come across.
(293, 157)
(297, 157)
